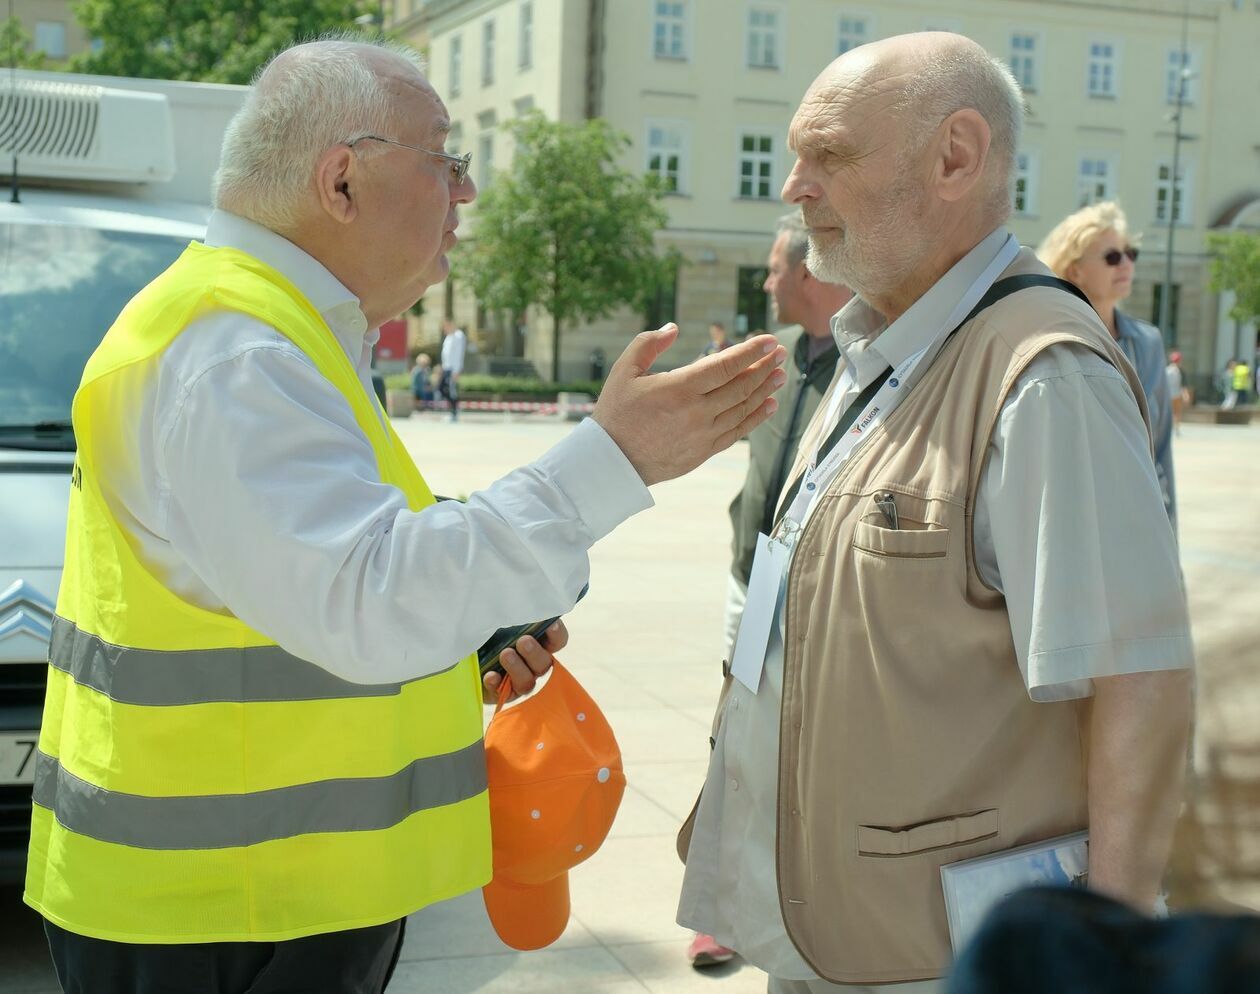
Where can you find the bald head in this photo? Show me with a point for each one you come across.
(898, 92)
(306, 99)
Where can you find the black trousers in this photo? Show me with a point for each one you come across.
(449, 389)
(360, 961)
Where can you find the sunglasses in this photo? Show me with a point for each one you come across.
(1112, 257)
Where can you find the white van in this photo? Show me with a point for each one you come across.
(113, 182)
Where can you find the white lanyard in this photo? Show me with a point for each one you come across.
(819, 475)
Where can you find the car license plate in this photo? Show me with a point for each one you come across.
(17, 757)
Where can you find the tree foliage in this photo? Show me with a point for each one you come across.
(1236, 267)
(214, 41)
(565, 228)
(16, 44)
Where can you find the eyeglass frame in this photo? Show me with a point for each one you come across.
(1113, 257)
(459, 163)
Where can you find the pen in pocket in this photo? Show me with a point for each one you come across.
(888, 506)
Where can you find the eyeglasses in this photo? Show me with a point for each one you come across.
(459, 163)
(1112, 257)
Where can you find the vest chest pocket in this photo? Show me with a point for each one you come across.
(910, 540)
(943, 833)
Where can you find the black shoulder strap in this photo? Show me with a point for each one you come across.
(1002, 288)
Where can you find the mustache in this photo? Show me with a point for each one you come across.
(821, 219)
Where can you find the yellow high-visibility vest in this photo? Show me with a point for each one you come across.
(194, 781)
(1242, 377)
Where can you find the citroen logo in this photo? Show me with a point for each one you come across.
(26, 619)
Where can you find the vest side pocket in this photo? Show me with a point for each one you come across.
(942, 833)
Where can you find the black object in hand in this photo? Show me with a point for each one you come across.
(505, 638)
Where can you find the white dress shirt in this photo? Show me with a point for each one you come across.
(247, 488)
(1069, 524)
(454, 346)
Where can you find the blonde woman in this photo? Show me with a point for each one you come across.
(1092, 248)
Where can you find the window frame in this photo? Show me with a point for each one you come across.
(1109, 193)
(44, 27)
(1034, 59)
(755, 132)
(683, 130)
(684, 34)
(1193, 61)
(455, 64)
(525, 36)
(489, 51)
(1115, 62)
(1031, 176)
(777, 34)
(1185, 186)
(868, 24)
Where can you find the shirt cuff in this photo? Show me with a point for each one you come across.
(1068, 674)
(591, 470)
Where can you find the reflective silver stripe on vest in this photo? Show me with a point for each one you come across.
(223, 821)
(197, 676)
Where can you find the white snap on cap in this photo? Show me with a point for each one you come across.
(539, 747)
(535, 814)
(603, 774)
(581, 716)
(578, 848)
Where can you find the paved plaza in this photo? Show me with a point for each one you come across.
(646, 644)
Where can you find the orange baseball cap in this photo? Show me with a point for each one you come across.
(556, 782)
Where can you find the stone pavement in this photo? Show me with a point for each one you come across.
(646, 644)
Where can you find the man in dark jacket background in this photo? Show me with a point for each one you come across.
(806, 306)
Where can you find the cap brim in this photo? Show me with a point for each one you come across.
(528, 916)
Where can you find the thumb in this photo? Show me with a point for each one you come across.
(645, 348)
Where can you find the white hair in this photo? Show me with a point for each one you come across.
(952, 78)
(303, 101)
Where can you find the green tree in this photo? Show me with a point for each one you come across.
(214, 41)
(1236, 267)
(565, 228)
(16, 44)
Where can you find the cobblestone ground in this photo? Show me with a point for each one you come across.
(645, 643)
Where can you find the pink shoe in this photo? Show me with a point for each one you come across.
(704, 951)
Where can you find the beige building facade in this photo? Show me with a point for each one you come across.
(705, 89)
(52, 28)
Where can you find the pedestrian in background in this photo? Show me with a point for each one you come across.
(1226, 383)
(1176, 388)
(1092, 249)
(1241, 383)
(454, 348)
(717, 340)
(422, 381)
(807, 305)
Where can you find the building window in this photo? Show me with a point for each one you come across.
(763, 38)
(666, 146)
(662, 301)
(487, 52)
(756, 166)
(752, 306)
(1102, 69)
(1024, 60)
(523, 105)
(50, 38)
(853, 31)
(1026, 183)
(457, 64)
(455, 138)
(485, 148)
(669, 29)
(525, 57)
(1093, 180)
(1177, 63)
(1165, 195)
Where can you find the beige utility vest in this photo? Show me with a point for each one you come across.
(907, 737)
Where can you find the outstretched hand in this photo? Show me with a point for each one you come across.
(668, 423)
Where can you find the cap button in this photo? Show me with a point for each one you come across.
(535, 814)
(603, 774)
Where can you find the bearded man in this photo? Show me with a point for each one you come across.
(970, 574)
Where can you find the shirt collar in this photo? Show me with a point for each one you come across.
(327, 294)
(866, 339)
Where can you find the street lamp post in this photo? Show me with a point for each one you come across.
(377, 19)
(1183, 77)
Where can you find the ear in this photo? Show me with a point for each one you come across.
(963, 151)
(1073, 273)
(336, 183)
